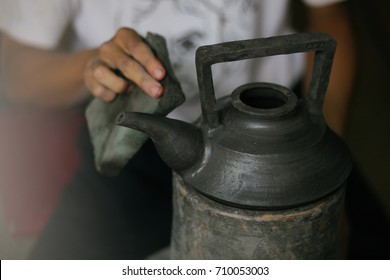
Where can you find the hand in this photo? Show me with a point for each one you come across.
(127, 53)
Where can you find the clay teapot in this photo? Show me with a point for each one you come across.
(262, 147)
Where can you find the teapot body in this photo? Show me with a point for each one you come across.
(269, 151)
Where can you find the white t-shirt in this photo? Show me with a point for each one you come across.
(186, 25)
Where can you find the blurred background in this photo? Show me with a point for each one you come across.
(369, 130)
(368, 134)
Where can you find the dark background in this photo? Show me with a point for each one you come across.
(368, 135)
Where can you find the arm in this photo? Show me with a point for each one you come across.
(334, 20)
(42, 77)
(56, 79)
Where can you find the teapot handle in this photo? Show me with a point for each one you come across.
(323, 45)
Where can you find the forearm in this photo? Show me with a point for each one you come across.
(43, 78)
(335, 21)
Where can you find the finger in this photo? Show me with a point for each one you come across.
(137, 74)
(134, 46)
(99, 91)
(115, 57)
(109, 79)
(103, 93)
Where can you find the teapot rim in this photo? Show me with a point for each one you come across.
(263, 99)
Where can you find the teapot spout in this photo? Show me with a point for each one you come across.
(179, 144)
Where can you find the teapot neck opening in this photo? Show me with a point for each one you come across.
(264, 99)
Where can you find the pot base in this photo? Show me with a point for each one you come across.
(206, 229)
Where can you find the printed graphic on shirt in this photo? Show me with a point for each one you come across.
(189, 24)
